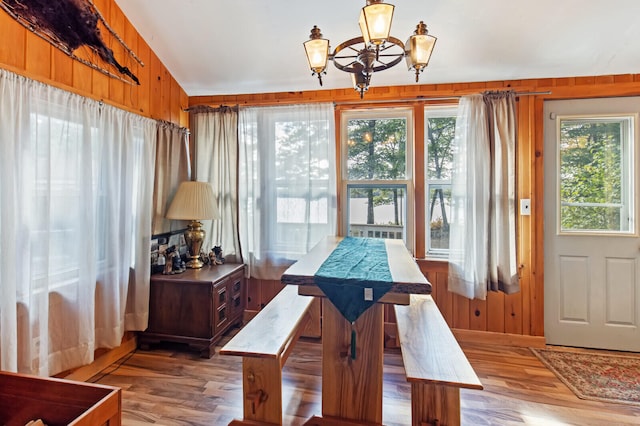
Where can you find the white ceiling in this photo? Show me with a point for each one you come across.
(214, 47)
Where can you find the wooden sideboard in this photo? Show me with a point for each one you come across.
(195, 307)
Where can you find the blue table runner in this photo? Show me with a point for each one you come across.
(354, 265)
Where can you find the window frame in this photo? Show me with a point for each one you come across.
(433, 111)
(407, 183)
(628, 165)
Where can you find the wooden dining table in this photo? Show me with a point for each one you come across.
(352, 385)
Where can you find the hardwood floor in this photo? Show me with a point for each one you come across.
(169, 385)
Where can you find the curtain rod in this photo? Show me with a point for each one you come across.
(222, 107)
(171, 125)
(432, 98)
(209, 108)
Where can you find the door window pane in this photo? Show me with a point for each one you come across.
(596, 174)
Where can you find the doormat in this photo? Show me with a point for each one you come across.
(598, 377)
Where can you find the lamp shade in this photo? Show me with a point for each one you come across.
(193, 201)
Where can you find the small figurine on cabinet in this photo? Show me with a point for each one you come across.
(179, 265)
(216, 256)
(168, 261)
(204, 257)
(174, 264)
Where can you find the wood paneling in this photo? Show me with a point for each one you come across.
(155, 86)
(12, 42)
(499, 313)
(143, 92)
(25, 53)
(82, 79)
(61, 67)
(38, 56)
(116, 21)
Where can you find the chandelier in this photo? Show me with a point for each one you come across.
(374, 51)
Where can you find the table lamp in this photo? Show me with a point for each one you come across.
(194, 201)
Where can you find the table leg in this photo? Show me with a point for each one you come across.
(352, 388)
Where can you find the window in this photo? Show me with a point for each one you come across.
(302, 182)
(376, 173)
(440, 123)
(67, 187)
(595, 180)
(60, 183)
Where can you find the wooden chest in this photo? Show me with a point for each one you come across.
(57, 402)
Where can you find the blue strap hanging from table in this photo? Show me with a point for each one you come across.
(356, 265)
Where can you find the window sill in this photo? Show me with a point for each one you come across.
(433, 264)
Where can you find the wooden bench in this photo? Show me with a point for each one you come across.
(435, 365)
(264, 345)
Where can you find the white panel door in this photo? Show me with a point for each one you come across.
(592, 267)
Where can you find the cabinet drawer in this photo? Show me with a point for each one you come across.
(236, 286)
(221, 295)
(236, 305)
(237, 296)
(222, 317)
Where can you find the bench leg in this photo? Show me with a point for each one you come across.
(436, 405)
(262, 389)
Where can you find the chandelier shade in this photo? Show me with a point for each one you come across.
(418, 49)
(359, 79)
(375, 22)
(317, 49)
(376, 50)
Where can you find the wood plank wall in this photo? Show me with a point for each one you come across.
(158, 96)
(518, 314)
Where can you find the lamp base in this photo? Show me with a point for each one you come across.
(194, 236)
(195, 263)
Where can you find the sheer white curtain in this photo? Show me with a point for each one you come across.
(216, 139)
(287, 187)
(482, 241)
(469, 221)
(75, 224)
